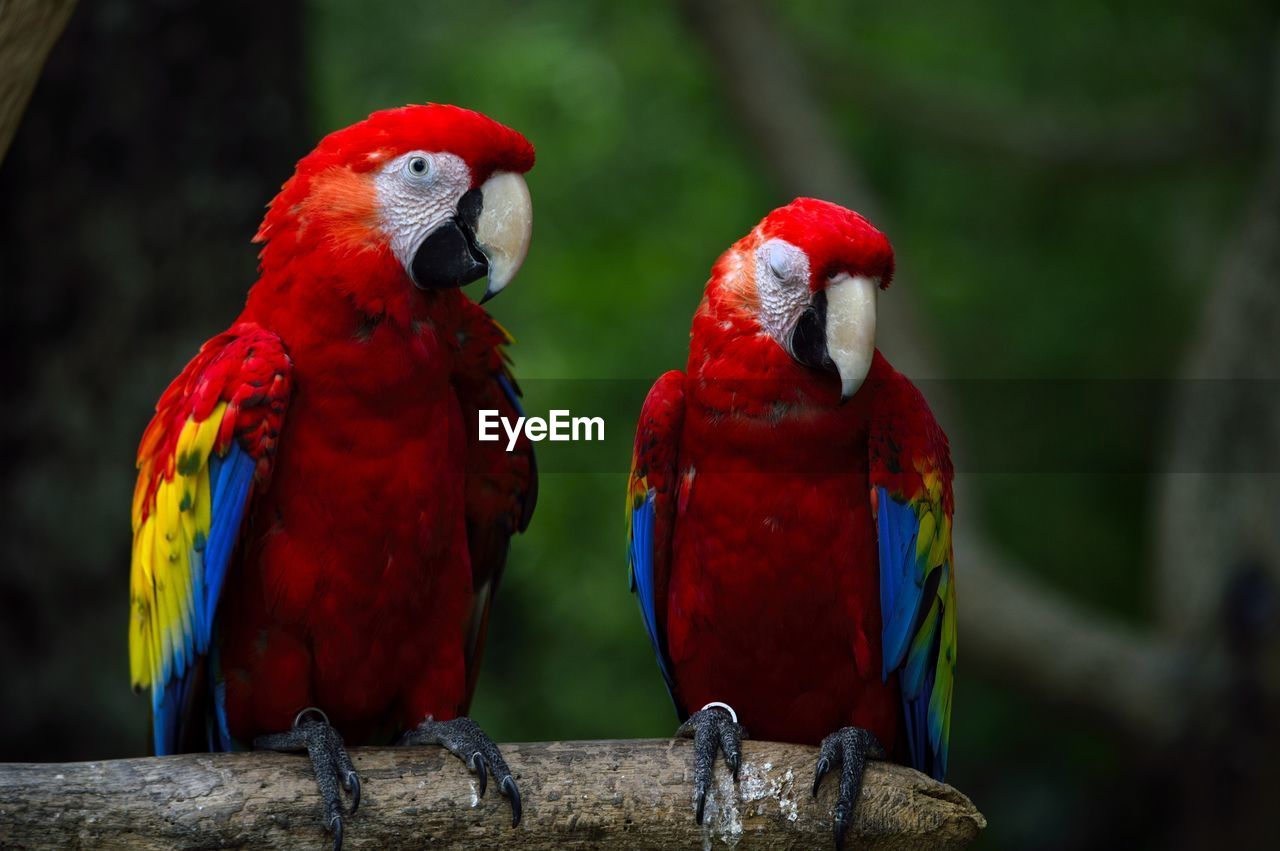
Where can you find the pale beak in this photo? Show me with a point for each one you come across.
(504, 228)
(851, 329)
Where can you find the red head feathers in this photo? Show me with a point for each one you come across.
(803, 283)
(426, 194)
(834, 238)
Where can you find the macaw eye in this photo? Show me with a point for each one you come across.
(418, 166)
(781, 259)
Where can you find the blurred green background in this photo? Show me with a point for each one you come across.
(161, 129)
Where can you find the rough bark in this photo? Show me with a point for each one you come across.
(28, 29)
(633, 794)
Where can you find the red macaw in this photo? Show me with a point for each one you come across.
(790, 512)
(318, 533)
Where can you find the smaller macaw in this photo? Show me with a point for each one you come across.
(789, 514)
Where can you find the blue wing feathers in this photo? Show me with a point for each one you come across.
(166, 712)
(219, 734)
(900, 595)
(230, 480)
(230, 500)
(509, 390)
(920, 661)
(642, 563)
(641, 557)
(914, 712)
(910, 642)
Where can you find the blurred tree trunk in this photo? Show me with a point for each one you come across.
(28, 28)
(1217, 536)
(157, 133)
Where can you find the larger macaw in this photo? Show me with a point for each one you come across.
(790, 513)
(318, 533)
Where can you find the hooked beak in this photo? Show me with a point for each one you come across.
(504, 228)
(488, 236)
(839, 330)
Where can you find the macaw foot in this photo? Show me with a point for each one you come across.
(849, 748)
(463, 738)
(312, 733)
(713, 727)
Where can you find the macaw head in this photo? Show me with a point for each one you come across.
(437, 188)
(807, 276)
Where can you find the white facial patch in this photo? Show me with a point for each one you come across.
(782, 284)
(418, 192)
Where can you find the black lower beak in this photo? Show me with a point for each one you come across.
(809, 337)
(449, 257)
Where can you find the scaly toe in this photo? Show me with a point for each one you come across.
(464, 739)
(330, 764)
(713, 728)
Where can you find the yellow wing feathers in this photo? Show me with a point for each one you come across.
(170, 528)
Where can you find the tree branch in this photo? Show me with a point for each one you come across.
(1012, 628)
(1218, 501)
(576, 795)
(1029, 637)
(28, 29)
(1213, 123)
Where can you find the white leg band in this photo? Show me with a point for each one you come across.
(726, 707)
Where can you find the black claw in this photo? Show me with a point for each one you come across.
(463, 738)
(513, 794)
(840, 823)
(849, 748)
(824, 765)
(342, 763)
(702, 802)
(482, 771)
(353, 786)
(336, 826)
